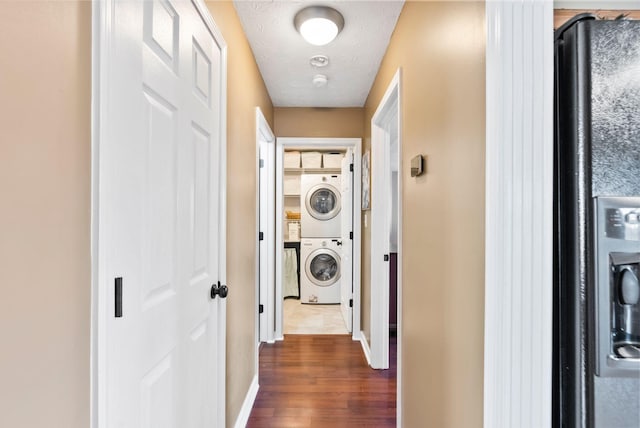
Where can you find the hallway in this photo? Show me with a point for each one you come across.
(323, 381)
(56, 361)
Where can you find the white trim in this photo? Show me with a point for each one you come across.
(367, 352)
(388, 108)
(324, 144)
(101, 27)
(379, 322)
(102, 20)
(221, 357)
(247, 404)
(519, 203)
(399, 261)
(265, 139)
(220, 353)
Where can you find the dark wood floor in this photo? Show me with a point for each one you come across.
(322, 381)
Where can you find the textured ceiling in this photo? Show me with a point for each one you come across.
(283, 55)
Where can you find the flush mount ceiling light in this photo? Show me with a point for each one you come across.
(318, 25)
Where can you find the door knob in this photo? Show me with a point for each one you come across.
(219, 290)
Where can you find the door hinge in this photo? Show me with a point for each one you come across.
(351, 303)
(351, 167)
(260, 309)
(350, 235)
(260, 236)
(386, 257)
(261, 163)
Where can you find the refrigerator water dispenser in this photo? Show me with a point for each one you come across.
(617, 236)
(625, 304)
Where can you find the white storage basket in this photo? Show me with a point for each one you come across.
(332, 160)
(311, 159)
(292, 159)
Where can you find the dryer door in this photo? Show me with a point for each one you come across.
(323, 201)
(323, 267)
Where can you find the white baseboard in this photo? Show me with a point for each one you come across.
(247, 406)
(365, 348)
(357, 336)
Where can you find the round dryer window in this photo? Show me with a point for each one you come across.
(323, 202)
(323, 267)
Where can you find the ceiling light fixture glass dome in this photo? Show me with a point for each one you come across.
(318, 25)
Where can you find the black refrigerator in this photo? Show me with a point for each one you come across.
(596, 360)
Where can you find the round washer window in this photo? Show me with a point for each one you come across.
(323, 267)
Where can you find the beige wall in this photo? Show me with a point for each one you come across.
(318, 122)
(45, 87)
(441, 49)
(245, 91)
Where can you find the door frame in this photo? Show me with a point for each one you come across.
(293, 143)
(388, 109)
(265, 203)
(101, 31)
(518, 218)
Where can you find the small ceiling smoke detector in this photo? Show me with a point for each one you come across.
(318, 25)
(319, 80)
(319, 61)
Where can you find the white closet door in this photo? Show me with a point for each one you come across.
(160, 197)
(346, 294)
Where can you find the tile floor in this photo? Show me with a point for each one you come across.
(312, 319)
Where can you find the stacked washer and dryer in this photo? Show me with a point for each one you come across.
(320, 203)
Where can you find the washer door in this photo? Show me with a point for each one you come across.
(323, 267)
(323, 201)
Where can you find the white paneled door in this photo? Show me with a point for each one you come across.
(161, 234)
(346, 213)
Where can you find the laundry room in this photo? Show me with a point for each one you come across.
(313, 184)
(317, 218)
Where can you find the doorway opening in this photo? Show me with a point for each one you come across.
(311, 266)
(265, 243)
(317, 280)
(386, 226)
(386, 236)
